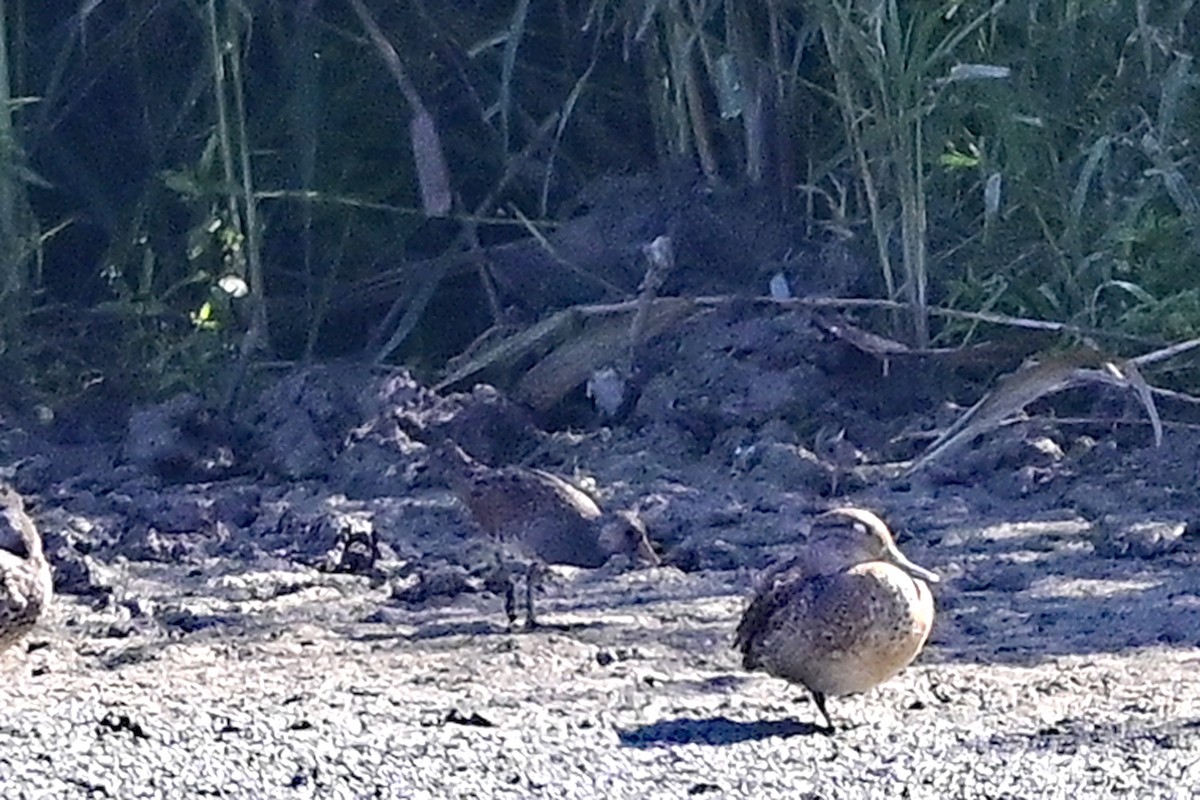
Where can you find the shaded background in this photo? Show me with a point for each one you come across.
(1026, 158)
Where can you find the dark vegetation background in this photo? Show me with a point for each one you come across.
(1034, 159)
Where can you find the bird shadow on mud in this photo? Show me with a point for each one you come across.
(715, 731)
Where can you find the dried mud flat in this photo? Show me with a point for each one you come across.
(204, 643)
(304, 688)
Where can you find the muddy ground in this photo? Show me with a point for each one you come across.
(291, 607)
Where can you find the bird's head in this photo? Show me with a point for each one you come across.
(17, 532)
(624, 532)
(846, 536)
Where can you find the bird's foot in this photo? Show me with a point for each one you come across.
(829, 728)
(510, 605)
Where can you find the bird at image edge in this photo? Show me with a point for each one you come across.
(25, 579)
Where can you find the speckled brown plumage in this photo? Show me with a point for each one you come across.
(25, 580)
(843, 616)
(539, 517)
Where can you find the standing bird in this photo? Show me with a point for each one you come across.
(25, 581)
(845, 615)
(540, 518)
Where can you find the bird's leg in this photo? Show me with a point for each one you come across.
(829, 730)
(503, 572)
(532, 576)
(510, 601)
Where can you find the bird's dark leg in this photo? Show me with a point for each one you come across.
(820, 699)
(510, 600)
(503, 572)
(532, 576)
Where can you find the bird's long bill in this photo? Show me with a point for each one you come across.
(901, 561)
(646, 552)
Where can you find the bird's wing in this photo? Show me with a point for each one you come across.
(783, 592)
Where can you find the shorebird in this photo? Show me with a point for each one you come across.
(539, 518)
(25, 580)
(847, 614)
